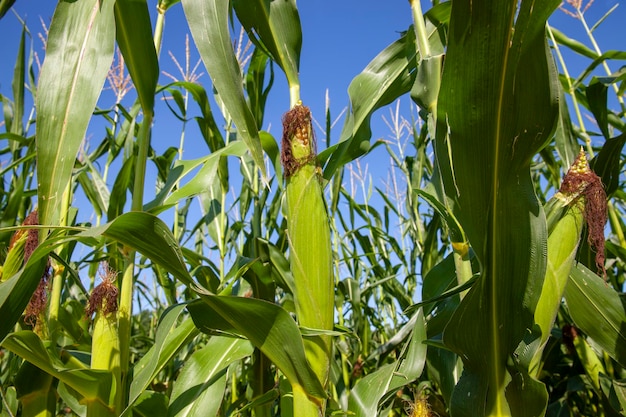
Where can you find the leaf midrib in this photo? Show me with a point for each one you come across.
(499, 406)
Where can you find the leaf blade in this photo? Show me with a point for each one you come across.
(78, 55)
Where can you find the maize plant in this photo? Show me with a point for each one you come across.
(223, 271)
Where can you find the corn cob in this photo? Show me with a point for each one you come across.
(581, 199)
(105, 342)
(310, 253)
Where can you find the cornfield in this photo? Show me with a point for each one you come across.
(273, 276)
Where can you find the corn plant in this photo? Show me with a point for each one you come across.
(261, 278)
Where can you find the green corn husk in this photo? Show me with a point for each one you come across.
(15, 256)
(565, 215)
(105, 345)
(23, 243)
(309, 248)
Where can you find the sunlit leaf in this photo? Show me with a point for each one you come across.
(79, 52)
(269, 327)
(92, 385)
(135, 40)
(275, 26)
(201, 382)
(208, 22)
(597, 310)
(169, 339)
(388, 76)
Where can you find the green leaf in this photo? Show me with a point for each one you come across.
(150, 404)
(497, 108)
(148, 235)
(255, 84)
(454, 228)
(201, 383)
(15, 293)
(388, 76)
(566, 142)
(616, 55)
(275, 27)
(208, 22)
(413, 361)
(170, 338)
(135, 40)
(79, 53)
(597, 310)
(17, 85)
(269, 327)
(367, 392)
(573, 44)
(203, 179)
(607, 163)
(94, 386)
(5, 5)
(210, 132)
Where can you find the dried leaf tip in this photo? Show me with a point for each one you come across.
(298, 143)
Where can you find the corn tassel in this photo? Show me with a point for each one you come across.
(566, 214)
(309, 249)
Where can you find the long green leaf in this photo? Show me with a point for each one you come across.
(608, 164)
(597, 310)
(497, 108)
(368, 392)
(79, 53)
(148, 235)
(275, 26)
(16, 292)
(134, 37)
(5, 5)
(18, 84)
(201, 382)
(269, 327)
(388, 76)
(204, 178)
(169, 338)
(208, 22)
(92, 385)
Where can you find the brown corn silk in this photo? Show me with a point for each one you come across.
(297, 125)
(103, 298)
(581, 180)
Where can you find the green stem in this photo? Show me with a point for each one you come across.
(55, 301)
(421, 35)
(616, 227)
(126, 290)
(294, 95)
(57, 278)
